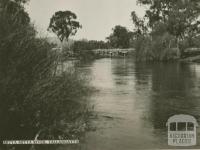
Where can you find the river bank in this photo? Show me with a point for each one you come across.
(191, 59)
(191, 55)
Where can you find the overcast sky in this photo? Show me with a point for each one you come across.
(97, 17)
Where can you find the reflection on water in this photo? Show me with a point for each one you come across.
(134, 101)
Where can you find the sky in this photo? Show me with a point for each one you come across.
(97, 17)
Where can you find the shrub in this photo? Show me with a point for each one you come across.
(34, 102)
(157, 48)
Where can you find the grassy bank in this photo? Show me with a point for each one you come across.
(34, 103)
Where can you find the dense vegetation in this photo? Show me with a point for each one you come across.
(82, 48)
(120, 38)
(34, 102)
(167, 24)
(89, 45)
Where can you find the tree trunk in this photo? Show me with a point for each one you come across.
(178, 49)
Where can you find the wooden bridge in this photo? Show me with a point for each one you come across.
(114, 52)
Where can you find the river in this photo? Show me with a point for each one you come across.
(134, 101)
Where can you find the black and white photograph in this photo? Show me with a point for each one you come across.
(99, 74)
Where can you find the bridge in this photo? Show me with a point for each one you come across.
(101, 52)
(114, 52)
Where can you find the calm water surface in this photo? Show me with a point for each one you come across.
(134, 101)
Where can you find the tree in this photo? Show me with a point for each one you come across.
(64, 24)
(170, 22)
(180, 16)
(120, 38)
(35, 102)
(140, 27)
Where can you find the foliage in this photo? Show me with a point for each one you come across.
(33, 102)
(180, 16)
(60, 110)
(64, 24)
(120, 38)
(140, 27)
(82, 48)
(159, 29)
(82, 45)
(158, 48)
(173, 22)
(142, 46)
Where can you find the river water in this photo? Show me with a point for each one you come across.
(134, 101)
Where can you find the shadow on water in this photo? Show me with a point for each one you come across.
(174, 90)
(173, 85)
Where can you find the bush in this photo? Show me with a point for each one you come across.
(142, 46)
(34, 102)
(157, 48)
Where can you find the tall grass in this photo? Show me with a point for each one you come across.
(34, 103)
(157, 48)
